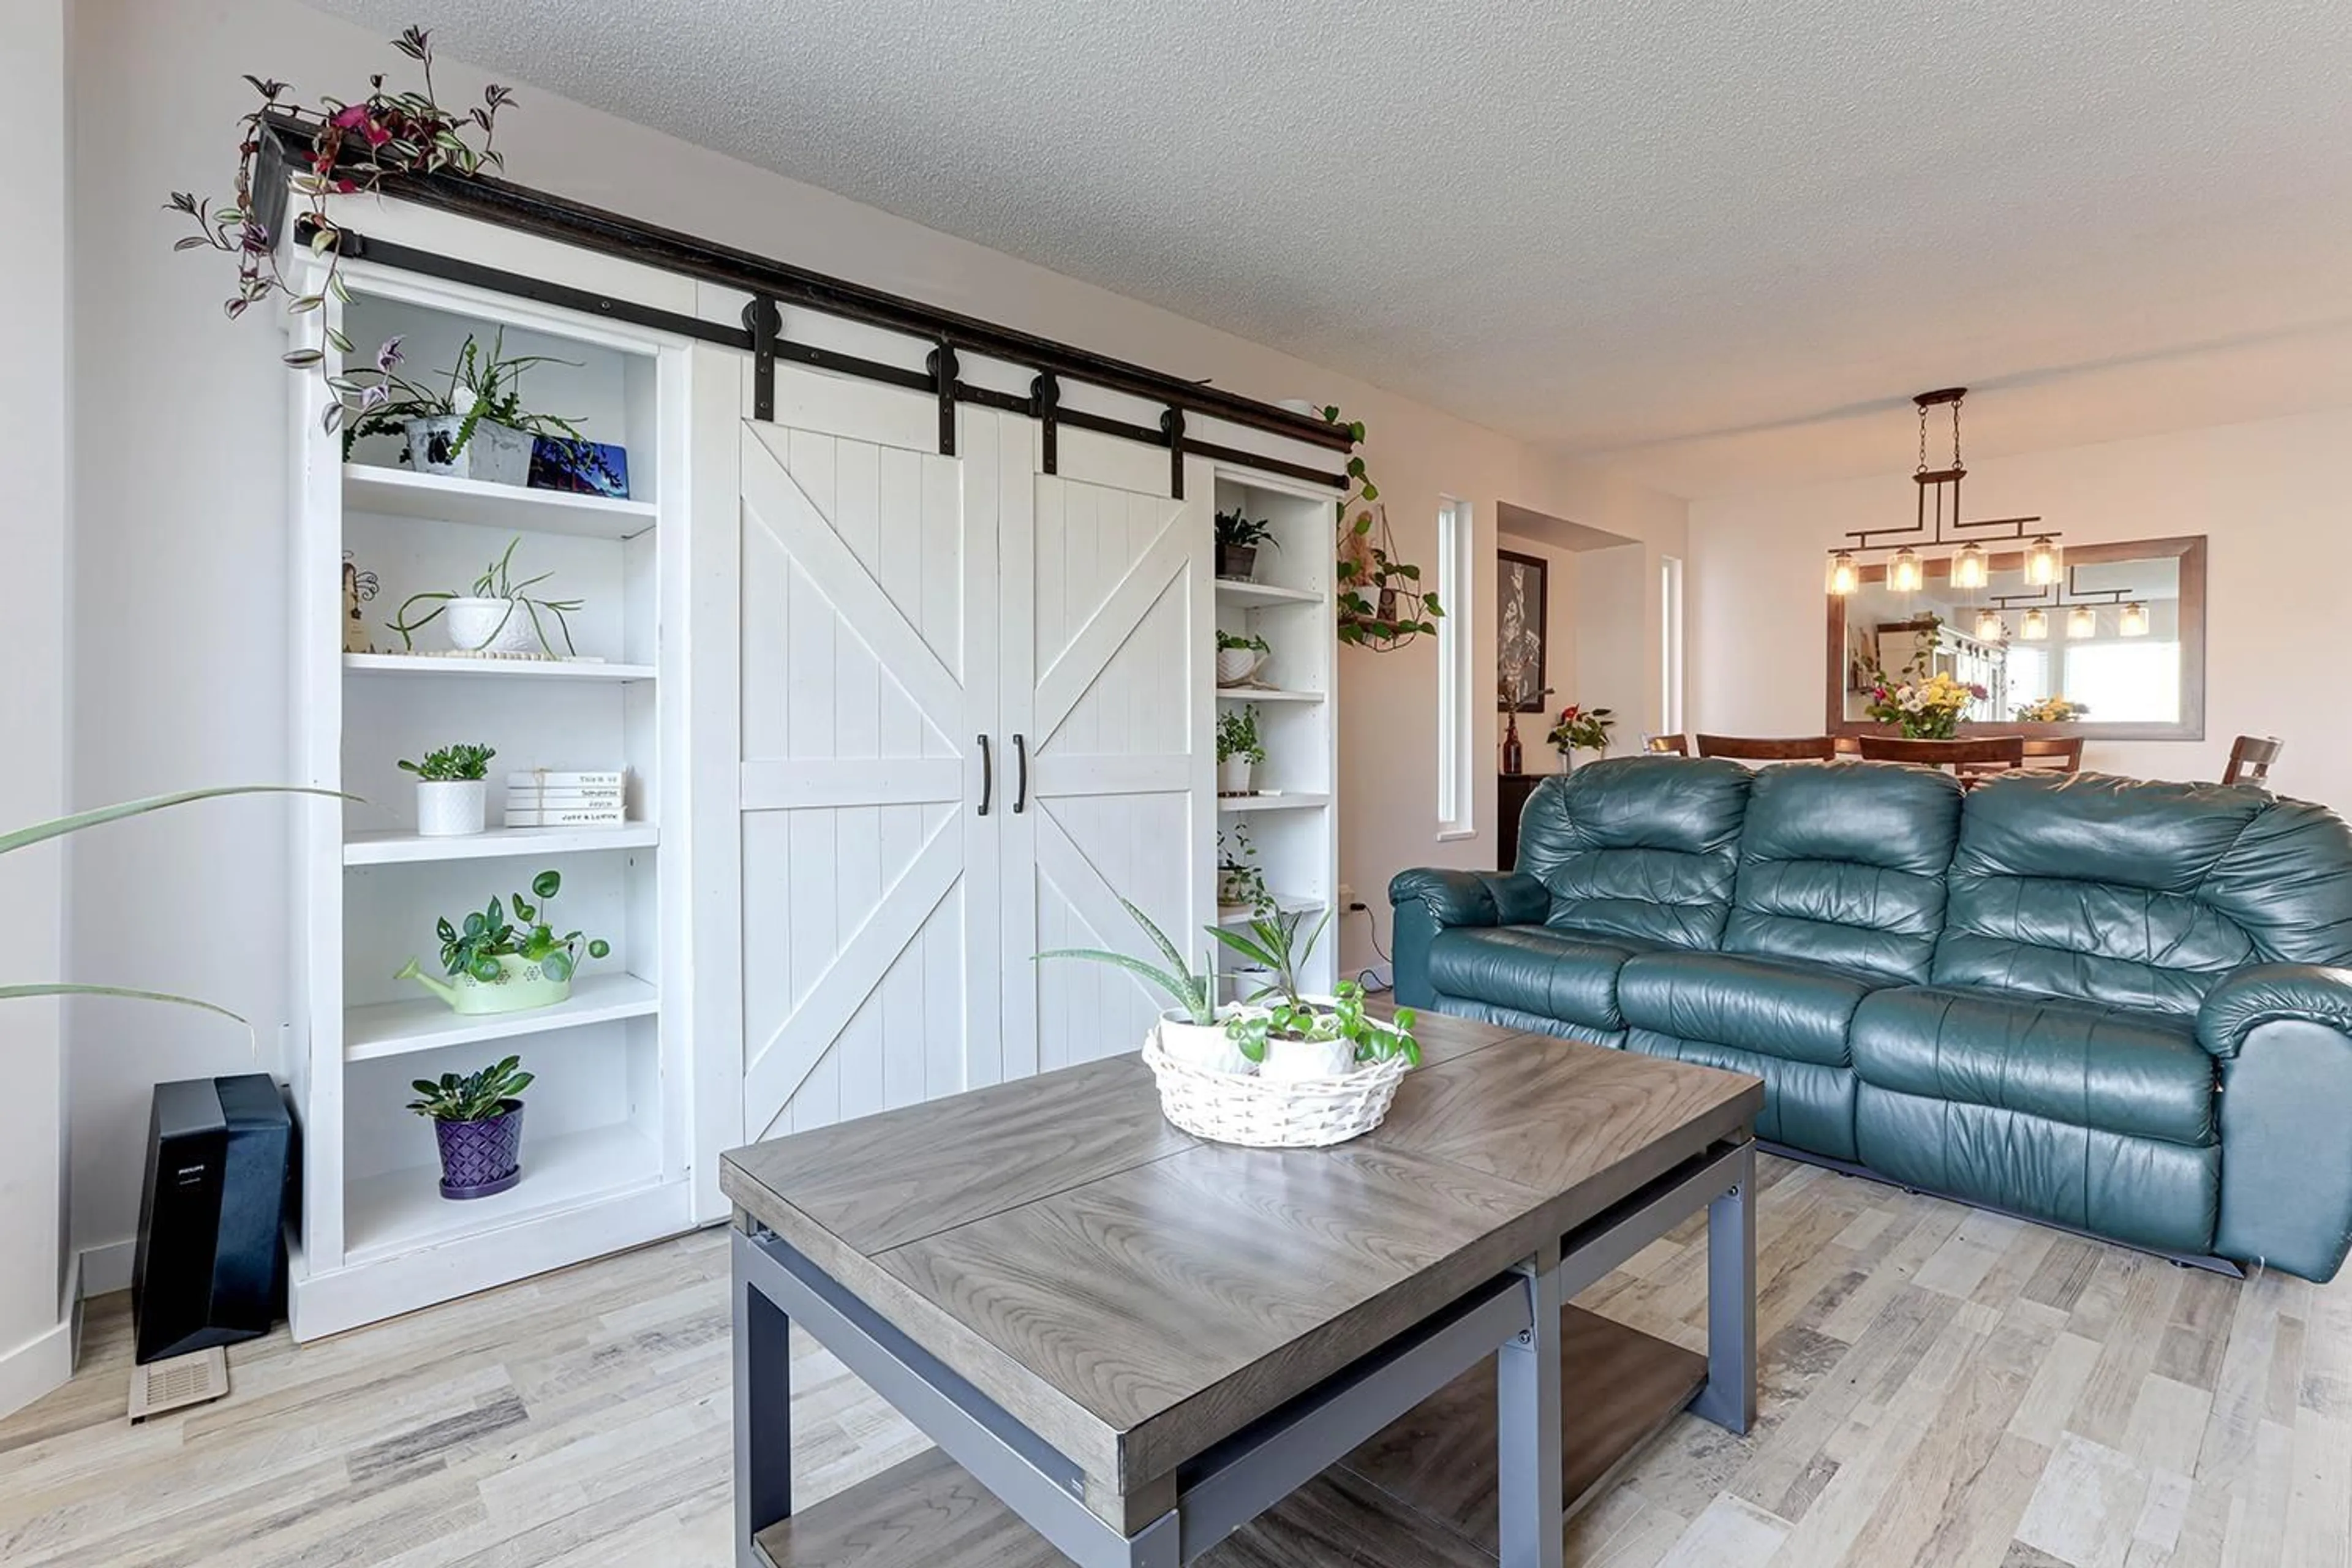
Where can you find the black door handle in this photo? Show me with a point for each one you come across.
(1021, 776)
(987, 777)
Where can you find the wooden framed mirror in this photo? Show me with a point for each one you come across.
(2135, 682)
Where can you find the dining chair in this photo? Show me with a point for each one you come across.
(1774, 748)
(2054, 754)
(1984, 755)
(1668, 745)
(1849, 745)
(2250, 757)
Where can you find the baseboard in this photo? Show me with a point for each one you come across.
(40, 1364)
(106, 1269)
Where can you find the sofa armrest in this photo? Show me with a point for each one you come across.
(1429, 899)
(2281, 1035)
(2267, 993)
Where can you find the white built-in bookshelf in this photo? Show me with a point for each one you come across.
(1291, 602)
(605, 1157)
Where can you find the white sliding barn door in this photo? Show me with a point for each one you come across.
(1108, 636)
(870, 881)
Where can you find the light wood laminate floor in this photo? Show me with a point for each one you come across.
(1941, 1387)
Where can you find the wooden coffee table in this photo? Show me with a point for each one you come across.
(1132, 1346)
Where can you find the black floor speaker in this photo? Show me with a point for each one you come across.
(211, 1269)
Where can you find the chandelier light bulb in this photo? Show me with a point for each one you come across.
(2132, 621)
(1970, 568)
(1990, 627)
(1904, 575)
(2042, 562)
(1844, 576)
(2036, 627)
(2081, 621)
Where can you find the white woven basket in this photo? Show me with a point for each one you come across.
(1303, 1114)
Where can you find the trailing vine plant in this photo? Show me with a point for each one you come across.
(1383, 605)
(390, 133)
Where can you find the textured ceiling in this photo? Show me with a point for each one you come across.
(1715, 243)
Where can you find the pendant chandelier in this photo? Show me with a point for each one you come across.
(1937, 508)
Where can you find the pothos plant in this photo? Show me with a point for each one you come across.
(1383, 605)
(354, 146)
(475, 945)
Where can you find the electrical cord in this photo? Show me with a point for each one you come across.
(1368, 978)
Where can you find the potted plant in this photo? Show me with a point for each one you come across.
(1192, 1031)
(1241, 885)
(1238, 541)
(478, 1122)
(2050, 710)
(1238, 657)
(1580, 729)
(452, 794)
(1295, 1041)
(499, 966)
(352, 147)
(1238, 748)
(474, 428)
(1927, 709)
(500, 616)
(1383, 605)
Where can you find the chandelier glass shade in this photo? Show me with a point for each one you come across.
(2042, 562)
(2131, 621)
(1844, 576)
(2035, 626)
(1971, 568)
(1990, 627)
(1903, 572)
(2081, 621)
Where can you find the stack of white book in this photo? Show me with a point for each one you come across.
(545, 797)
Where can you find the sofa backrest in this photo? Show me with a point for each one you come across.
(1640, 847)
(2138, 893)
(1843, 865)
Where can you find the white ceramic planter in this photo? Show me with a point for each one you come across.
(1288, 1061)
(451, 809)
(1235, 665)
(1234, 777)
(1204, 1045)
(495, 454)
(491, 626)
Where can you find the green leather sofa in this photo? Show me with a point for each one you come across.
(2119, 1005)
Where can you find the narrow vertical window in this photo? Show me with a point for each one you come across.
(1456, 712)
(1670, 661)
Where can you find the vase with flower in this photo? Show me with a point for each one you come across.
(1928, 710)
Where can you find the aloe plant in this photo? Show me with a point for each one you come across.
(41, 832)
(1271, 944)
(1196, 995)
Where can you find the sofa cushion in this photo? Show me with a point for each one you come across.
(1806, 1105)
(1639, 846)
(1844, 866)
(2136, 893)
(2143, 1075)
(1800, 1012)
(1540, 970)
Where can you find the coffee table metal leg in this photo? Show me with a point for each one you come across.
(1528, 1430)
(1729, 1397)
(763, 1416)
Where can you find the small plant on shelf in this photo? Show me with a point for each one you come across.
(501, 617)
(501, 964)
(1383, 605)
(477, 1122)
(1580, 729)
(452, 790)
(1238, 748)
(1239, 656)
(354, 147)
(1239, 538)
(1241, 884)
(474, 426)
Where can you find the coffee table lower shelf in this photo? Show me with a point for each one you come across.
(1420, 1493)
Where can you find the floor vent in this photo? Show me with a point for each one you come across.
(168, 1385)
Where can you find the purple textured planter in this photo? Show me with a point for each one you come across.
(479, 1158)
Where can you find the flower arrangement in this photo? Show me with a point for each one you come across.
(1582, 730)
(390, 133)
(1925, 710)
(2050, 711)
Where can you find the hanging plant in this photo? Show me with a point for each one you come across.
(352, 147)
(1383, 605)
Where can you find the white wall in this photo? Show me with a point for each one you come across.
(35, 1354)
(2269, 496)
(179, 639)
